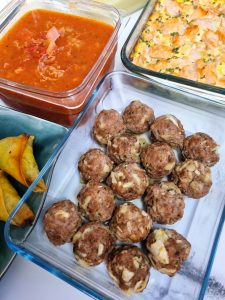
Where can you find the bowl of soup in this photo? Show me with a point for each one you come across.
(53, 54)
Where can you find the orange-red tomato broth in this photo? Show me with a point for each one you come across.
(52, 50)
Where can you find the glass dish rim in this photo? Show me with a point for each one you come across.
(12, 85)
(142, 71)
(46, 265)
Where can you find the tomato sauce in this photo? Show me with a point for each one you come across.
(52, 50)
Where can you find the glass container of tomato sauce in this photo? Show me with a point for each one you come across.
(54, 53)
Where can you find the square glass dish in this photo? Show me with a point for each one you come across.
(60, 107)
(212, 92)
(202, 219)
(47, 136)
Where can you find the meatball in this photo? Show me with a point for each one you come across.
(92, 243)
(138, 117)
(158, 160)
(94, 164)
(168, 129)
(193, 178)
(165, 202)
(129, 268)
(96, 201)
(167, 250)
(201, 147)
(124, 148)
(128, 181)
(61, 221)
(130, 223)
(108, 124)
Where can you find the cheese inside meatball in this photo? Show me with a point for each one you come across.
(167, 250)
(138, 117)
(130, 223)
(92, 243)
(128, 181)
(168, 129)
(129, 268)
(94, 165)
(165, 202)
(158, 160)
(124, 148)
(201, 147)
(193, 178)
(96, 201)
(108, 124)
(61, 221)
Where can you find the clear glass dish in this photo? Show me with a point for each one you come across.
(60, 107)
(214, 93)
(202, 220)
(125, 7)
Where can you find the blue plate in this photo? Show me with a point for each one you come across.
(47, 136)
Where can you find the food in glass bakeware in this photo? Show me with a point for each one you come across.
(94, 164)
(201, 147)
(92, 243)
(184, 39)
(168, 129)
(164, 202)
(130, 223)
(193, 178)
(169, 213)
(167, 250)
(129, 267)
(128, 181)
(124, 148)
(61, 221)
(158, 160)
(107, 124)
(96, 201)
(138, 117)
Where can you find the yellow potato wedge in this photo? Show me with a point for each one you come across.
(29, 167)
(17, 159)
(8, 200)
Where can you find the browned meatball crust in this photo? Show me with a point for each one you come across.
(61, 221)
(193, 178)
(124, 148)
(108, 124)
(130, 223)
(201, 147)
(168, 129)
(94, 164)
(138, 117)
(129, 268)
(167, 250)
(128, 181)
(96, 201)
(158, 160)
(165, 202)
(92, 243)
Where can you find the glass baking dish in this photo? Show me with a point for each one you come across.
(214, 93)
(125, 6)
(202, 220)
(60, 107)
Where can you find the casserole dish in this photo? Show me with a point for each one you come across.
(202, 219)
(214, 93)
(60, 107)
(48, 136)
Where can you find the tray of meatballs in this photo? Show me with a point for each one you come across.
(136, 194)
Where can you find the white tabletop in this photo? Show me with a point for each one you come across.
(25, 281)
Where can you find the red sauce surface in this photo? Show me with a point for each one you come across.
(52, 50)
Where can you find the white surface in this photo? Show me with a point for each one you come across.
(24, 280)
